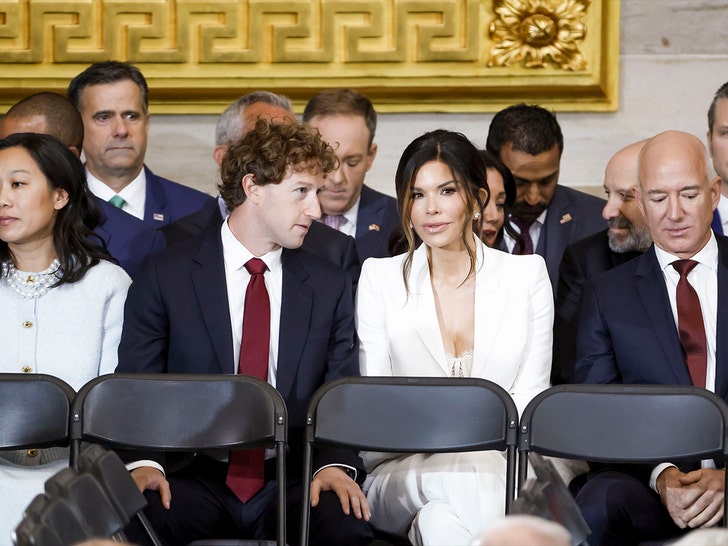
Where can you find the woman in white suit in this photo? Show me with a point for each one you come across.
(449, 307)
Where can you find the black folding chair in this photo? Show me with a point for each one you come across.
(35, 410)
(411, 415)
(185, 413)
(621, 424)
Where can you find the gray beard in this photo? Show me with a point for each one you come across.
(638, 239)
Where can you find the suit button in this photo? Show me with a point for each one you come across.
(32, 452)
(27, 324)
(27, 369)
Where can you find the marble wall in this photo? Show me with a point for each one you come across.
(673, 56)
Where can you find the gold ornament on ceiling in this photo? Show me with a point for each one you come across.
(538, 32)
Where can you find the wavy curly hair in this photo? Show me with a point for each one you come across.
(269, 152)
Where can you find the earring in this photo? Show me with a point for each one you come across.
(411, 226)
(476, 215)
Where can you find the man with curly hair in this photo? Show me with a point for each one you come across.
(187, 312)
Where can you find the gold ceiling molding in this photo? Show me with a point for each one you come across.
(406, 55)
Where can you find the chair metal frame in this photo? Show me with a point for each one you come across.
(411, 415)
(619, 424)
(183, 413)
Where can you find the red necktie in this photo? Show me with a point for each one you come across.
(246, 467)
(525, 245)
(690, 324)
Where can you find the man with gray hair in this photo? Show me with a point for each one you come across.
(237, 119)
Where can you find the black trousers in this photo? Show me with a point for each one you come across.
(622, 511)
(203, 507)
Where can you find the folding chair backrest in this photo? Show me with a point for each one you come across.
(414, 415)
(172, 412)
(625, 423)
(35, 411)
(182, 412)
(405, 414)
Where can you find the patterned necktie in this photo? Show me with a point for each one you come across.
(334, 220)
(118, 201)
(690, 324)
(245, 474)
(525, 245)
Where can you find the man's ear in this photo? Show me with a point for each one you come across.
(251, 189)
(218, 153)
(371, 155)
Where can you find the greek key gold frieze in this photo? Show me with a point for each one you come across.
(408, 55)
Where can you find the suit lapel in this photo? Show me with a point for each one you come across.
(296, 308)
(155, 201)
(491, 301)
(655, 301)
(721, 342)
(422, 311)
(208, 280)
(556, 231)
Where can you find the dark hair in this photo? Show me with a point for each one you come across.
(342, 102)
(63, 120)
(492, 161)
(267, 152)
(463, 159)
(527, 127)
(78, 249)
(722, 93)
(107, 72)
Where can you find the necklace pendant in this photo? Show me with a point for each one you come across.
(30, 279)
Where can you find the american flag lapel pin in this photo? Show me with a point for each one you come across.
(158, 216)
(566, 218)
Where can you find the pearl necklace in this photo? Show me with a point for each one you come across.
(30, 285)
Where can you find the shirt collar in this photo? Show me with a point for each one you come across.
(236, 255)
(707, 256)
(133, 193)
(352, 214)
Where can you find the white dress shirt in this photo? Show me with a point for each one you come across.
(704, 279)
(235, 256)
(134, 193)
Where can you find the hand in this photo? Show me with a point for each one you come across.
(147, 477)
(333, 478)
(694, 499)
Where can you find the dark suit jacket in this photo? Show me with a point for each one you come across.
(127, 238)
(627, 333)
(376, 220)
(582, 261)
(167, 201)
(572, 215)
(176, 320)
(330, 244)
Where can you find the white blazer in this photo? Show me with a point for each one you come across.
(514, 311)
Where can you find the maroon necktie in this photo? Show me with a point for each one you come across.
(246, 467)
(525, 245)
(690, 324)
